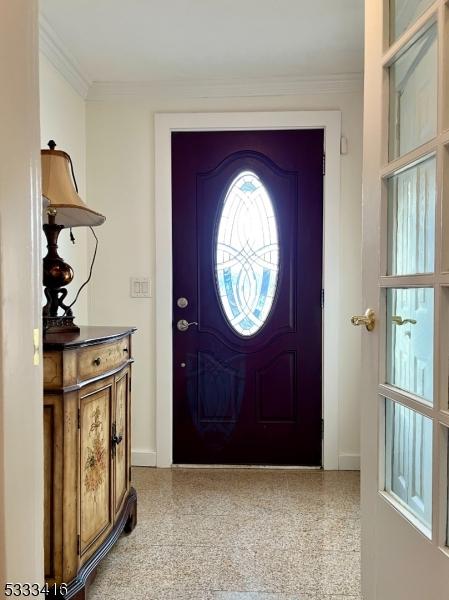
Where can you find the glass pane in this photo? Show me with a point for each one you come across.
(413, 96)
(408, 456)
(410, 340)
(411, 220)
(247, 254)
(404, 13)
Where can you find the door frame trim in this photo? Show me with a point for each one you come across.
(164, 125)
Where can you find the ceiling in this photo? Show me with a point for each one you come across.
(175, 40)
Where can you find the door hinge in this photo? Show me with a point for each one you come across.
(322, 429)
(130, 473)
(322, 298)
(78, 545)
(79, 418)
(324, 164)
(130, 384)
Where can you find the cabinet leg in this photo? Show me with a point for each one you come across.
(81, 595)
(131, 522)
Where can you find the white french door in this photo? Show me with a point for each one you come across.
(405, 400)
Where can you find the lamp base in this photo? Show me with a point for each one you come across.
(59, 325)
(56, 275)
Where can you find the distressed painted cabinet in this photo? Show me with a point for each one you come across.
(89, 500)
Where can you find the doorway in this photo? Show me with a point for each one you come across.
(247, 280)
(165, 124)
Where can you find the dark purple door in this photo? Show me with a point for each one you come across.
(247, 257)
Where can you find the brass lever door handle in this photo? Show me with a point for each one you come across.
(368, 319)
(400, 321)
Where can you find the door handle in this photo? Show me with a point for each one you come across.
(400, 321)
(115, 439)
(368, 319)
(183, 325)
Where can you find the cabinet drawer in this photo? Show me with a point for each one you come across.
(102, 358)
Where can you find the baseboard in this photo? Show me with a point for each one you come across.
(143, 458)
(243, 466)
(349, 462)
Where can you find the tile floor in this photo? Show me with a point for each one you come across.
(244, 534)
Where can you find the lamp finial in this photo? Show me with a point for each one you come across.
(51, 144)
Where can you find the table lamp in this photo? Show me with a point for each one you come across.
(62, 207)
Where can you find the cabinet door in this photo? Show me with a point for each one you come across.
(121, 426)
(96, 515)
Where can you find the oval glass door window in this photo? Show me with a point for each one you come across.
(247, 254)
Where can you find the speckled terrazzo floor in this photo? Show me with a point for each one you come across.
(244, 534)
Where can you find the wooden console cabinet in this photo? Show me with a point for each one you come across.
(88, 497)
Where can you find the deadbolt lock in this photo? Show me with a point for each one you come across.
(182, 302)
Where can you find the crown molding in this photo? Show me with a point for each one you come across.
(53, 48)
(226, 88)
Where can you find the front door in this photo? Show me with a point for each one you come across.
(247, 278)
(405, 407)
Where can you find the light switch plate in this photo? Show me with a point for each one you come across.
(140, 287)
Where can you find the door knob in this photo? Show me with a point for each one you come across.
(183, 325)
(368, 319)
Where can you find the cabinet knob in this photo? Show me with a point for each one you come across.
(125, 350)
(97, 361)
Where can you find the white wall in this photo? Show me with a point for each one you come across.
(120, 177)
(63, 119)
(21, 428)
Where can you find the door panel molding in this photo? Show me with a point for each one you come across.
(165, 124)
(283, 364)
(231, 378)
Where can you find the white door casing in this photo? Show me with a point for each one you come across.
(330, 121)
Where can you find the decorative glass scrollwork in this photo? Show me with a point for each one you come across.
(247, 254)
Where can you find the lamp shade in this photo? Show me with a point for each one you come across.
(60, 195)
